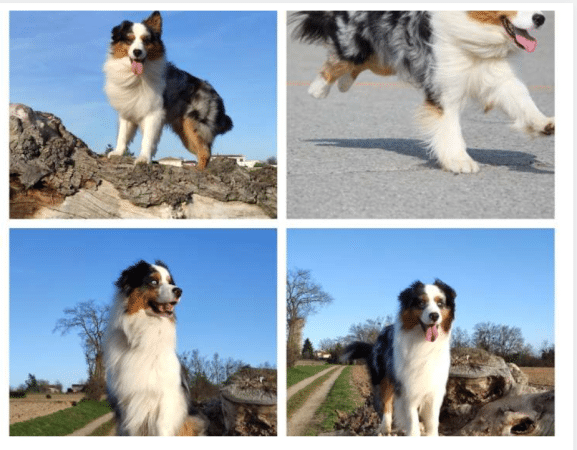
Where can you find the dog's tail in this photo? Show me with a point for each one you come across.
(313, 26)
(357, 350)
(223, 123)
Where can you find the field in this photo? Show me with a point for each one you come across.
(540, 376)
(37, 405)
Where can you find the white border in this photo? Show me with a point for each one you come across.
(563, 223)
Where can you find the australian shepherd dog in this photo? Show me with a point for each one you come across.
(450, 55)
(147, 386)
(148, 92)
(409, 362)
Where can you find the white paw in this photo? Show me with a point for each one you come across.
(142, 160)
(116, 153)
(345, 82)
(461, 165)
(319, 88)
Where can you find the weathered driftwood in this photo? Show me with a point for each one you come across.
(249, 403)
(488, 397)
(54, 174)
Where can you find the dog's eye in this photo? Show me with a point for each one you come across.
(154, 282)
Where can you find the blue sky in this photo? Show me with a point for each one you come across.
(56, 60)
(500, 276)
(228, 279)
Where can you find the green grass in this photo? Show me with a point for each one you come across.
(343, 397)
(105, 429)
(299, 398)
(62, 423)
(299, 373)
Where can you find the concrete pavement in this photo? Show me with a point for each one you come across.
(357, 154)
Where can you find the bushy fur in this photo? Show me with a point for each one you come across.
(148, 92)
(144, 376)
(409, 363)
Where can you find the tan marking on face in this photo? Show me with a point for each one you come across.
(154, 50)
(447, 317)
(410, 318)
(120, 49)
(141, 296)
(491, 17)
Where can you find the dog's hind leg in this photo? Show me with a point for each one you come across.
(331, 71)
(345, 82)
(386, 392)
(197, 139)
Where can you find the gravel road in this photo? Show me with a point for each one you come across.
(301, 418)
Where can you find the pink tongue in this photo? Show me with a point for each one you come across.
(432, 333)
(528, 44)
(137, 68)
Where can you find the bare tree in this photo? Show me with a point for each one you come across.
(304, 297)
(502, 340)
(460, 338)
(90, 320)
(367, 331)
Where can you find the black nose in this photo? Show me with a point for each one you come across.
(538, 19)
(434, 316)
(136, 52)
(177, 292)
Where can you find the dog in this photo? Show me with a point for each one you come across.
(147, 385)
(450, 55)
(409, 362)
(148, 92)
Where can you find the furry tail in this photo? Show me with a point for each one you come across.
(357, 350)
(313, 26)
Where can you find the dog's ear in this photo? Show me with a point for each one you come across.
(408, 296)
(154, 22)
(119, 31)
(450, 293)
(133, 276)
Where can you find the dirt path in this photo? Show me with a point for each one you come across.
(85, 431)
(302, 384)
(302, 418)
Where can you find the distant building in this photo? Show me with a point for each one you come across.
(76, 388)
(322, 355)
(169, 161)
(241, 160)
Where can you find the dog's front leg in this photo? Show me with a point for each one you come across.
(126, 132)
(430, 412)
(510, 94)
(442, 129)
(151, 127)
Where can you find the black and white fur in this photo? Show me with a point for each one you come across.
(148, 92)
(409, 362)
(450, 55)
(146, 384)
